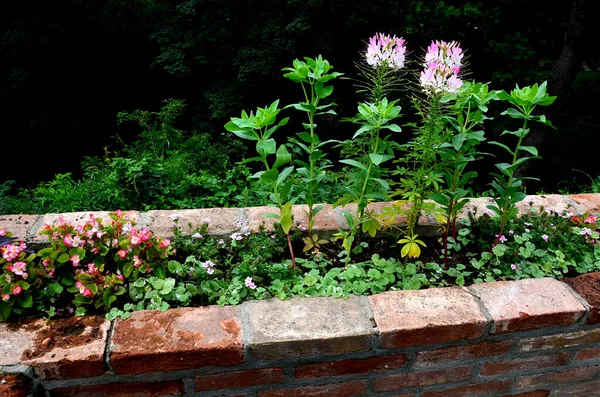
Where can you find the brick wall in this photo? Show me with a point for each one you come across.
(534, 337)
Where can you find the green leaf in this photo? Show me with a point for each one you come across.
(160, 271)
(286, 220)
(354, 163)
(514, 113)
(282, 157)
(379, 158)
(529, 149)
(26, 300)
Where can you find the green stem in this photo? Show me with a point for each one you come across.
(506, 204)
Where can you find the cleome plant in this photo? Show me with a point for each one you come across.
(423, 169)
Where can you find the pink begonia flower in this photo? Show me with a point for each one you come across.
(92, 269)
(122, 254)
(591, 219)
(5, 297)
(84, 291)
(2, 231)
(137, 262)
(134, 239)
(441, 68)
(75, 259)
(164, 243)
(19, 268)
(249, 283)
(119, 275)
(387, 51)
(17, 290)
(118, 213)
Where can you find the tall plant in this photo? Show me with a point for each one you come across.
(465, 119)
(385, 58)
(507, 187)
(420, 176)
(260, 127)
(313, 76)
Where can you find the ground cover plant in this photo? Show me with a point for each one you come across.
(115, 268)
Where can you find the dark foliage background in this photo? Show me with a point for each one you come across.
(67, 67)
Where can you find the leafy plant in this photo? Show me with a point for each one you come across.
(506, 185)
(313, 75)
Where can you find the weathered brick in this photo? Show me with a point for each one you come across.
(535, 393)
(324, 223)
(222, 220)
(14, 385)
(528, 304)
(588, 354)
(228, 380)
(412, 318)
(559, 340)
(153, 389)
(21, 226)
(351, 367)
(554, 202)
(346, 389)
(420, 379)
(589, 202)
(556, 378)
(307, 327)
(474, 390)
(589, 389)
(588, 287)
(524, 363)
(184, 338)
(56, 349)
(461, 353)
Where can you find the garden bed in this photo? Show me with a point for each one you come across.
(374, 342)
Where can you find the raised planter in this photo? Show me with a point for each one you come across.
(535, 337)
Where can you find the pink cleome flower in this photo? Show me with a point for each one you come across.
(387, 51)
(441, 68)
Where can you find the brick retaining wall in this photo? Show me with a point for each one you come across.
(530, 338)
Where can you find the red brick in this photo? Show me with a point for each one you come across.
(535, 393)
(178, 339)
(528, 304)
(350, 367)
(520, 364)
(413, 318)
(57, 349)
(556, 378)
(588, 354)
(588, 287)
(419, 379)
(14, 385)
(228, 380)
(559, 340)
(467, 352)
(589, 389)
(476, 390)
(346, 389)
(587, 201)
(154, 389)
